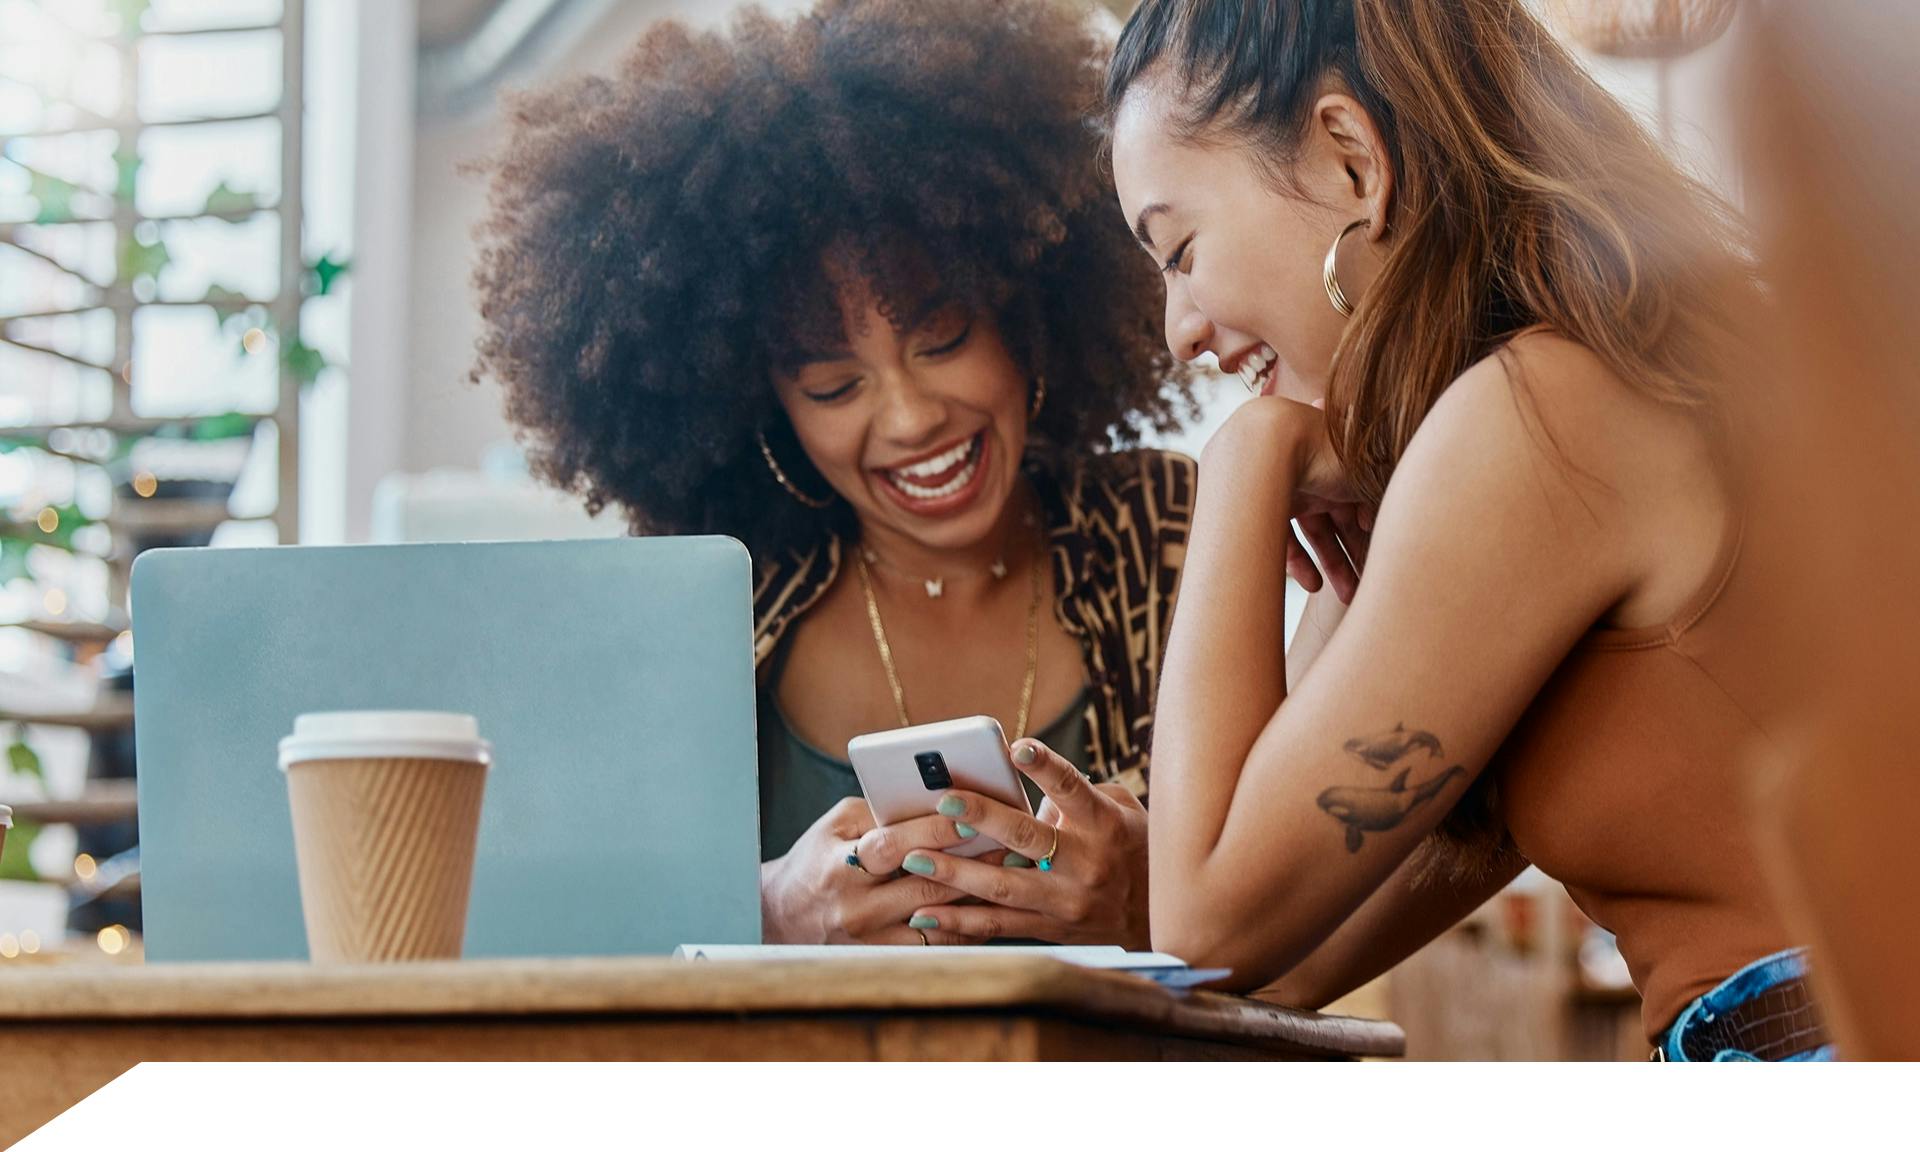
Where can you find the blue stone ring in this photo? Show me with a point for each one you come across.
(853, 861)
(1045, 863)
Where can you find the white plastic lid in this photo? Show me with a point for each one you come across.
(400, 735)
(6, 816)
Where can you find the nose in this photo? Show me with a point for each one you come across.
(1188, 329)
(910, 413)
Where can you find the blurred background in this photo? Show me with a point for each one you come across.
(234, 254)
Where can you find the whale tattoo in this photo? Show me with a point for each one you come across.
(1365, 810)
(1389, 748)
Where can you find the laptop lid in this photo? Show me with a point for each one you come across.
(614, 678)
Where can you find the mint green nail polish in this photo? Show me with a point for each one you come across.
(1025, 755)
(952, 806)
(1015, 860)
(923, 922)
(917, 864)
(967, 831)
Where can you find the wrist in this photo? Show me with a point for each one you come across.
(774, 928)
(1266, 432)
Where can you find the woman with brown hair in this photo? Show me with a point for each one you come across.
(848, 287)
(1495, 329)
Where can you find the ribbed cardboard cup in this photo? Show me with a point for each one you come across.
(386, 810)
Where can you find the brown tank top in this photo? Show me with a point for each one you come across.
(1626, 780)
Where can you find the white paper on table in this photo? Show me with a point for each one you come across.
(1110, 956)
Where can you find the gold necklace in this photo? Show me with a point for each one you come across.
(936, 586)
(886, 649)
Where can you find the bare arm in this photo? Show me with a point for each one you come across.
(1322, 615)
(1273, 824)
(1400, 918)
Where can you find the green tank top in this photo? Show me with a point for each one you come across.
(799, 782)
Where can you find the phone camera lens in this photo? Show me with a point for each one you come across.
(933, 770)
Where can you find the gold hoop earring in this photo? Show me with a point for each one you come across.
(780, 476)
(1330, 272)
(1039, 400)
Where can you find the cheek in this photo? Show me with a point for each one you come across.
(830, 438)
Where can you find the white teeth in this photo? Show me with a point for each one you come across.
(939, 463)
(1255, 365)
(898, 477)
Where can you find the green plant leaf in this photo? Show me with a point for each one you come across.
(324, 271)
(226, 303)
(302, 361)
(138, 259)
(23, 759)
(71, 521)
(226, 426)
(55, 197)
(224, 199)
(126, 176)
(13, 559)
(130, 12)
(16, 861)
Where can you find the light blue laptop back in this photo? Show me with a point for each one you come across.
(614, 678)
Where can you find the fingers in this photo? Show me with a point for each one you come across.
(1062, 783)
(1325, 542)
(1300, 562)
(848, 819)
(908, 935)
(1013, 828)
(1116, 792)
(1026, 889)
(1354, 537)
(881, 849)
(984, 922)
(892, 902)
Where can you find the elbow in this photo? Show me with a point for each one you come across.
(1204, 939)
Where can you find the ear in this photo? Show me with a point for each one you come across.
(1353, 141)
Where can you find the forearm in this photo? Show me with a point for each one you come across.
(1399, 919)
(1225, 672)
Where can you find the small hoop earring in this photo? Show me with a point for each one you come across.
(1039, 400)
(780, 475)
(1330, 272)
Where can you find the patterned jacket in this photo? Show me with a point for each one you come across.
(1118, 531)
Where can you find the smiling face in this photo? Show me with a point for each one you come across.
(920, 429)
(1241, 258)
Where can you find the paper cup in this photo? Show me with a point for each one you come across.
(6, 822)
(386, 809)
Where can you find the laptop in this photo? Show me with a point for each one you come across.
(614, 678)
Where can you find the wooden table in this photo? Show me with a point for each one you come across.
(66, 1032)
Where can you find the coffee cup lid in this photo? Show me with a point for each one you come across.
(6, 816)
(398, 735)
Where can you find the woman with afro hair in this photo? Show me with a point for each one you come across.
(848, 287)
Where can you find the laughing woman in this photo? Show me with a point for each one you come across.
(1496, 327)
(849, 288)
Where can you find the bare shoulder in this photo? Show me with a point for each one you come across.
(1545, 426)
(1555, 403)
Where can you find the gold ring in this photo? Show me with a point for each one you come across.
(923, 937)
(1045, 863)
(853, 859)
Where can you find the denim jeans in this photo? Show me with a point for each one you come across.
(1747, 984)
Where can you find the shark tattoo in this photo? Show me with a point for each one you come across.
(1379, 809)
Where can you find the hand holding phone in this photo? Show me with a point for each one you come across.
(905, 771)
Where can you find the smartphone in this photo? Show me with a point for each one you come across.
(905, 771)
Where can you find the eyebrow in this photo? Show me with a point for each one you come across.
(1140, 232)
(920, 315)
